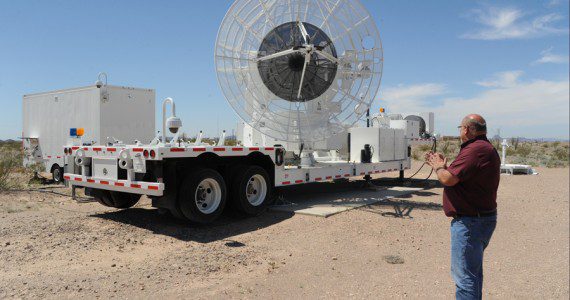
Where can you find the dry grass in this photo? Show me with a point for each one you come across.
(536, 154)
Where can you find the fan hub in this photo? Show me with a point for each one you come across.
(282, 75)
(296, 62)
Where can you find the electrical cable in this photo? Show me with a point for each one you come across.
(433, 149)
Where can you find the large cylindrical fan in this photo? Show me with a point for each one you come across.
(299, 71)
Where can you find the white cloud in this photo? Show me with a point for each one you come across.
(401, 97)
(549, 57)
(553, 3)
(502, 79)
(537, 108)
(511, 23)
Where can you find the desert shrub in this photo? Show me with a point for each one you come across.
(424, 148)
(515, 142)
(560, 153)
(523, 150)
(444, 147)
(555, 144)
(511, 151)
(10, 162)
(554, 163)
(415, 154)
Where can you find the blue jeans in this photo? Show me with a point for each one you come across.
(469, 238)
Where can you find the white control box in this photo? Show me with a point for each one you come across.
(411, 128)
(386, 144)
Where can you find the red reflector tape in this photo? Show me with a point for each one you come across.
(49, 156)
(78, 179)
(74, 148)
(337, 176)
(97, 149)
(329, 177)
(254, 149)
(136, 186)
(219, 149)
(199, 149)
(104, 182)
(269, 149)
(138, 149)
(318, 179)
(152, 187)
(66, 177)
(119, 184)
(298, 181)
(346, 175)
(286, 182)
(90, 180)
(177, 149)
(237, 149)
(111, 149)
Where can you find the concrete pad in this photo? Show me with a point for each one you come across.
(334, 202)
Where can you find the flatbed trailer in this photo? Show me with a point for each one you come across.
(194, 182)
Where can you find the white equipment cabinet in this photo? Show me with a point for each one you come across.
(105, 112)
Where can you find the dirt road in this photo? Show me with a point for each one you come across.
(52, 247)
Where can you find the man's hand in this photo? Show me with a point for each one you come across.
(436, 160)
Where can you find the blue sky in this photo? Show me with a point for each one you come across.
(507, 60)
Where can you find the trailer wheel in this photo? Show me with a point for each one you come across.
(124, 200)
(57, 173)
(202, 196)
(251, 190)
(103, 197)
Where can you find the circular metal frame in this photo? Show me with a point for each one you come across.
(208, 196)
(334, 105)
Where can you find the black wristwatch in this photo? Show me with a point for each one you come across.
(439, 169)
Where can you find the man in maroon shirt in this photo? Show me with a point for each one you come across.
(470, 198)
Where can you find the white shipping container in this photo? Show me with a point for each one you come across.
(107, 112)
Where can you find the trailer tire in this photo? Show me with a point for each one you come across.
(57, 173)
(123, 200)
(177, 213)
(251, 190)
(103, 197)
(202, 196)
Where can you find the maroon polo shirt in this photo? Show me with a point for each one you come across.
(478, 168)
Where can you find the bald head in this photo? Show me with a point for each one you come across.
(475, 123)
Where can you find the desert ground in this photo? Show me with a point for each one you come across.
(54, 247)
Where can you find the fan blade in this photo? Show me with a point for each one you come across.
(278, 54)
(327, 56)
(303, 31)
(307, 60)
